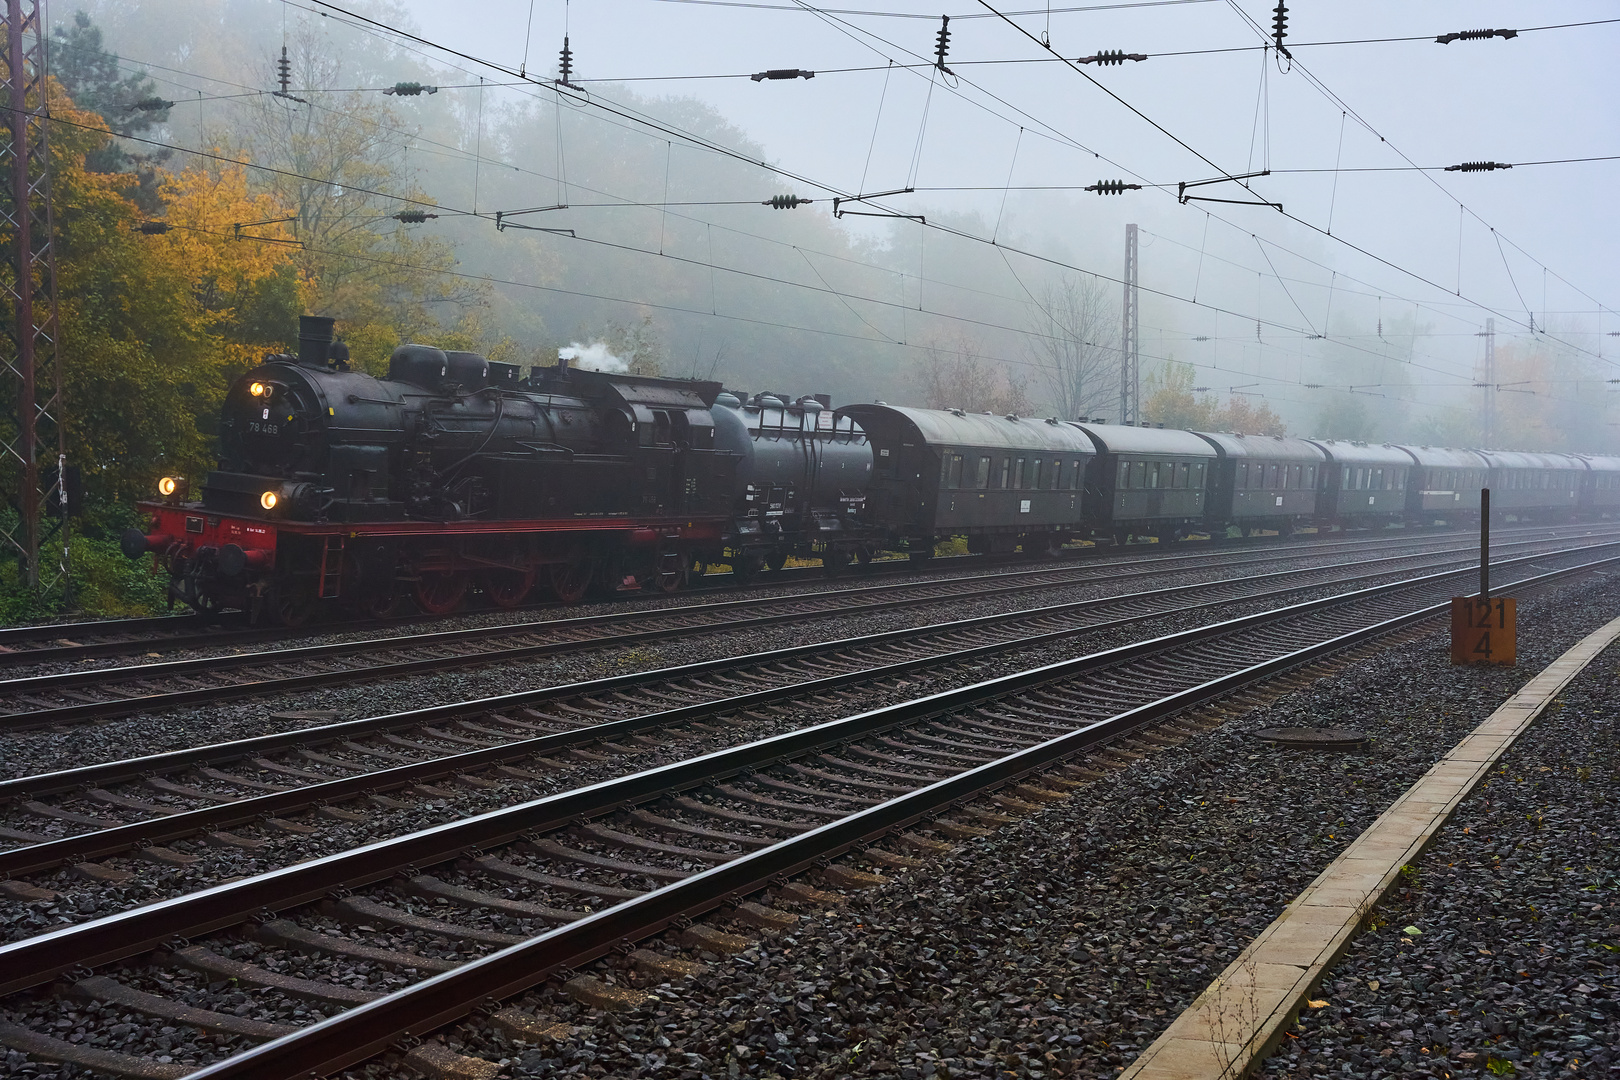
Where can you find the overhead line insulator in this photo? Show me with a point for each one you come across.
(152, 228)
(942, 42)
(1475, 35)
(1112, 187)
(786, 202)
(1110, 57)
(151, 104)
(411, 89)
(1279, 27)
(284, 79)
(782, 73)
(413, 217)
(1478, 166)
(565, 66)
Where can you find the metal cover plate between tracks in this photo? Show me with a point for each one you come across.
(1306, 738)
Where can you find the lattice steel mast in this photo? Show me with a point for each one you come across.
(32, 446)
(1130, 384)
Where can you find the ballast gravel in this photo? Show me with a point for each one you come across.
(1061, 945)
(26, 753)
(1499, 953)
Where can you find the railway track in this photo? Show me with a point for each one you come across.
(346, 955)
(57, 643)
(143, 802)
(98, 693)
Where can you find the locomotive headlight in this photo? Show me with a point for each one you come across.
(258, 389)
(269, 499)
(168, 486)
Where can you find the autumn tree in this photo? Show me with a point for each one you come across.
(154, 325)
(955, 374)
(341, 175)
(1171, 399)
(1074, 341)
(127, 104)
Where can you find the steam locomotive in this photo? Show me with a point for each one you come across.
(455, 474)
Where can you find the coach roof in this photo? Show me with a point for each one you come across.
(1444, 457)
(1264, 447)
(950, 428)
(1167, 442)
(1360, 453)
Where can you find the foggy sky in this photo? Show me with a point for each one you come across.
(1543, 95)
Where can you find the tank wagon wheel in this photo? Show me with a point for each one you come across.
(921, 554)
(439, 592)
(569, 580)
(746, 565)
(776, 558)
(1054, 546)
(507, 589)
(292, 601)
(834, 560)
(863, 557)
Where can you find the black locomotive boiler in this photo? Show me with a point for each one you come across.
(451, 473)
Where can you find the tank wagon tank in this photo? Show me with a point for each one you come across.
(800, 481)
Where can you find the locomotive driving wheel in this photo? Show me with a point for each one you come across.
(439, 592)
(569, 580)
(507, 589)
(673, 568)
(292, 600)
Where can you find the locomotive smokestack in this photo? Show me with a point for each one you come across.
(314, 338)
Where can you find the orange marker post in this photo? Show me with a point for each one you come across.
(1484, 630)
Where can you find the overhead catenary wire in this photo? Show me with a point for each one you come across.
(1510, 242)
(708, 144)
(969, 237)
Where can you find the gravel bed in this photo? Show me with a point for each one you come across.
(1064, 943)
(80, 899)
(1515, 968)
(27, 752)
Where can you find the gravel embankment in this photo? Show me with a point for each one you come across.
(81, 899)
(1064, 943)
(1515, 969)
(28, 752)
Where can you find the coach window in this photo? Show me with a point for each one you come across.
(1001, 474)
(954, 478)
(1018, 474)
(981, 478)
(1183, 471)
(1138, 474)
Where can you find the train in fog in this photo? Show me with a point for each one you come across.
(455, 476)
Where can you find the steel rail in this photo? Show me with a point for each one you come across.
(298, 738)
(359, 1033)
(995, 584)
(36, 960)
(10, 637)
(35, 858)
